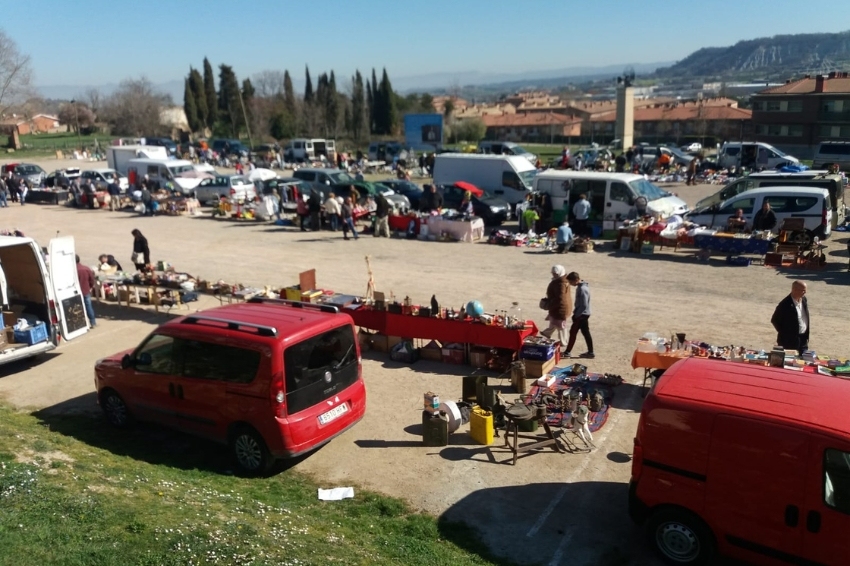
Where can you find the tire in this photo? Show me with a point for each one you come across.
(115, 409)
(680, 537)
(249, 452)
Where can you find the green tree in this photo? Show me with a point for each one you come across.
(189, 107)
(210, 95)
(426, 102)
(375, 110)
(388, 114)
(332, 106)
(359, 118)
(448, 108)
(248, 99)
(289, 101)
(470, 130)
(281, 125)
(196, 84)
(308, 86)
(370, 108)
(229, 107)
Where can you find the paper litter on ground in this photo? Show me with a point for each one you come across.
(336, 493)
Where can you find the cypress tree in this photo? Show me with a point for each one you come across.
(189, 107)
(210, 94)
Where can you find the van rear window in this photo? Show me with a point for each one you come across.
(320, 367)
(834, 149)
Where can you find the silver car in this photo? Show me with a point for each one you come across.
(231, 186)
(32, 174)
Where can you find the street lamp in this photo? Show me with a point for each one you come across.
(77, 119)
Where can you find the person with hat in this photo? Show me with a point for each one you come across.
(558, 305)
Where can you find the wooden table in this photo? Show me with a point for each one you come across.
(512, 438)
(656, 360)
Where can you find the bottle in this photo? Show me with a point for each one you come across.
(515, 319)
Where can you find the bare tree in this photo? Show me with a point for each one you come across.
(134, 109)
(93, 98)
(15, 73)
(76, 114)
(268, 83)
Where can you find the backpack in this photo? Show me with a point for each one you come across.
(595, 401)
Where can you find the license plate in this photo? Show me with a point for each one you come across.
(325, 418)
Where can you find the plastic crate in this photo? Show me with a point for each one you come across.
(538, 352)
(32, 335)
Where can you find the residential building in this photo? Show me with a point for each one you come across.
(799, 114)
(8, 126)
(45, 123)
(531, 127)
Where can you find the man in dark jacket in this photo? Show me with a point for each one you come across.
(431, 200)
(559, 305)
(86, 278)
(382, 212)
(791, 319)
(114, 191)
(314, 205)
(765, 218)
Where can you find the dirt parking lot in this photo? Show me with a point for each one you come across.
(548, 509)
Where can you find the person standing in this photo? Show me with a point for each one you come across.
(332, 211)
(765, 219)
(302, 211)
(791, 319)
(348, 219)
(559, 305)
(314, 205)
(431, 201)
(530, 218)
(382, 213)
(581, 316)
(581, 211)
(12, 185)
(141, 252)
(24, 189)
(85, 276)
(4, 203)
(114, 194)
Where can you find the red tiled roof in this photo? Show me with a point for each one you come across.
(680, 113)
(835, 85)
(527, 119)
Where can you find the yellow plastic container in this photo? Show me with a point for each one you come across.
(481, 426)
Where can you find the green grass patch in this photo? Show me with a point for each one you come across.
(75, 492)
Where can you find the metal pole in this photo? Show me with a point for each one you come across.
(245, 116)
(77, 120)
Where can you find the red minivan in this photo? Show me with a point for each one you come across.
(746, 461)
(270, 378)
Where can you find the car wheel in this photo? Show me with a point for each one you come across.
(249, 452)
(680, 537)
(115, 410)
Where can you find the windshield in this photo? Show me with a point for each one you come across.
(180, 169)
(340, 178)
(518, 150)
(109, 175)
(527, 178)
(384, 190)
(677, 152)
(646, 189)
(779, 153)
(28, 169)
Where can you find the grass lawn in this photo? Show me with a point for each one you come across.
(75, 492)
(67, 142)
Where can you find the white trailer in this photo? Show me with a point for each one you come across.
(118, 156)
(509, 177)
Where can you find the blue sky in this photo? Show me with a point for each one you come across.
(96, 42)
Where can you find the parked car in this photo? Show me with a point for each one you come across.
(269, 378)
(744, 461)
(692, 147)
(832, 153)
(167, 143)
(229, 147)
(105, 176)
(339, 182)
(288, 188)
(411, 190)
(493, 211)
(32, 174)
(230, 186)
(70, 173)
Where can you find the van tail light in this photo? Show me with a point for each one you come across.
(823, 216)
(637, 460)
(232, 191)
(278, 395)
(54, 319)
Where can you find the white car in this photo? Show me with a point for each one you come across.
(231, 186)
(106, 176)
(695, 146)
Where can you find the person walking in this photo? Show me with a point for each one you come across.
(141, 252)
(314, 205)
(348, 219)
(332, 211)
(558, 305)
(581, 211)
(85, 276)
(114, 192)
(581, 316)
(382, 213)
(791, 319)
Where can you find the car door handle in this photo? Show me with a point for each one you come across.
(179, 391)
(792, 515)
(171, 389)
(813, 521)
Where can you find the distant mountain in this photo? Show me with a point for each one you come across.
(780, 56)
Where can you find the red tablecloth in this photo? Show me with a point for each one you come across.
(399, 223)
(444, 330)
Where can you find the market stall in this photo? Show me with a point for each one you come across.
(47, 196)
(455, 228)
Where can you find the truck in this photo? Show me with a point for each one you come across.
(309, 150)
(509, 177)
(118, 156)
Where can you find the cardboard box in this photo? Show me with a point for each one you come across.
(478, 357)
(7, 336)
(538, 369)
(379, 343)
(392, 341)
(9, 318)
(431, 351)
(583, 247)
(452, 356)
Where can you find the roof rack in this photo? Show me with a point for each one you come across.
(262, 330)
(297, 304)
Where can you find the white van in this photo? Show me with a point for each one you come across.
(819, 179)
(832, 153)
(505, 148)
(612, 196)
(509, 177)
(39, 292)
(308, 150)
(384, 151)
(165, 171)
(118, 156)
(810, 203)
(753, 155)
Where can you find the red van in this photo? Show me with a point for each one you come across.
(270, 378)
(746, 461)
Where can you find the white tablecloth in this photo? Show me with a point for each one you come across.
(463, 231)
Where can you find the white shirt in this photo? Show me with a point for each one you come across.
(802, 319)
